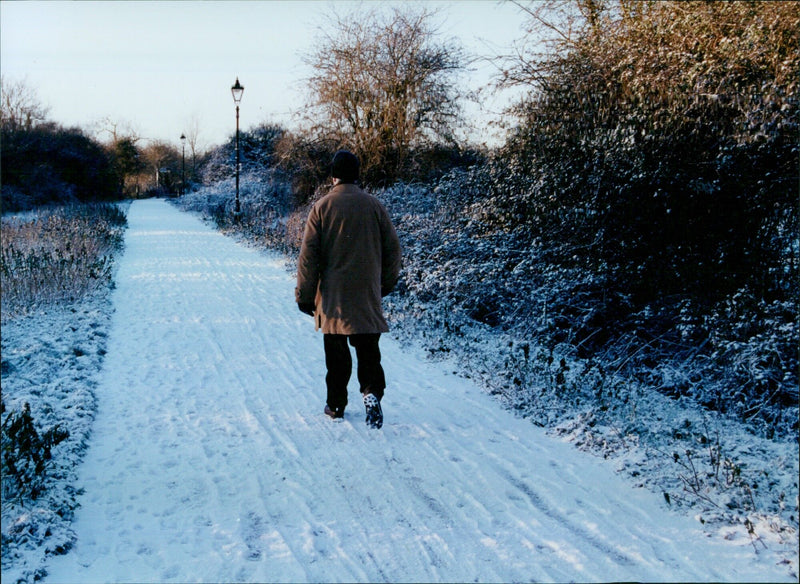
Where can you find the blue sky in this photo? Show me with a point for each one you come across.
(160, 67)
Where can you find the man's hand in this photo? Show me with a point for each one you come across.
(306, 308)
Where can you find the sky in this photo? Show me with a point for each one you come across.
(160, 68)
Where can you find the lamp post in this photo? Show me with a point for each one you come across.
(183, 164)
(237, 90)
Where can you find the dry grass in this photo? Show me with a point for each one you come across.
(57, 255)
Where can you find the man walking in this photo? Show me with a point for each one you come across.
(349, 260)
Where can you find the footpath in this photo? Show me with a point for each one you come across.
(211, 459)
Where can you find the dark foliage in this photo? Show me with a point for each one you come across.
(306, 163)
(49, 164)
(26, 453)
(126, 160)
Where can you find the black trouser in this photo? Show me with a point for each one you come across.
(340, 366)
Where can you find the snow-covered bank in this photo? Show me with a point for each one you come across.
(51, 359)
(211, 460)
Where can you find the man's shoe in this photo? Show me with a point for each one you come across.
(334, 413)
(374, 412)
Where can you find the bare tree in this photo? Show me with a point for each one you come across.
(382, 85)
(192, 134)
(116, 130)
(20, 107)
(163, 163)
(551, 27)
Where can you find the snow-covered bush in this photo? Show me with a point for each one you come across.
(51, 359)
(256, 154)
(468, 264)
(265, 201)
(756, 343)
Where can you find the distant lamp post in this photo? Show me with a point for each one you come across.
(237, 90)
(183, 164)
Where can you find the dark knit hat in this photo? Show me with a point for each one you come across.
(345, 166)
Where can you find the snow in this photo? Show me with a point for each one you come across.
(51, 360)
(210, 458)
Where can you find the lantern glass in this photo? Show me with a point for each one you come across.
(236, 90)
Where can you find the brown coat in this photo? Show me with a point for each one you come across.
(349, 259)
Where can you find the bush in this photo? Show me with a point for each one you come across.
(664, 144)
(26, 454)
(650, 183)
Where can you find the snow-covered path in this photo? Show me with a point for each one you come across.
(211, 459)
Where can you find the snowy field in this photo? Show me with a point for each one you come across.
(210, 459)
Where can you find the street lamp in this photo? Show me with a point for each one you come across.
(183, 164)
(237, 90)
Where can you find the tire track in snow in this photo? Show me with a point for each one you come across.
(211, 459)
(580, 533)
